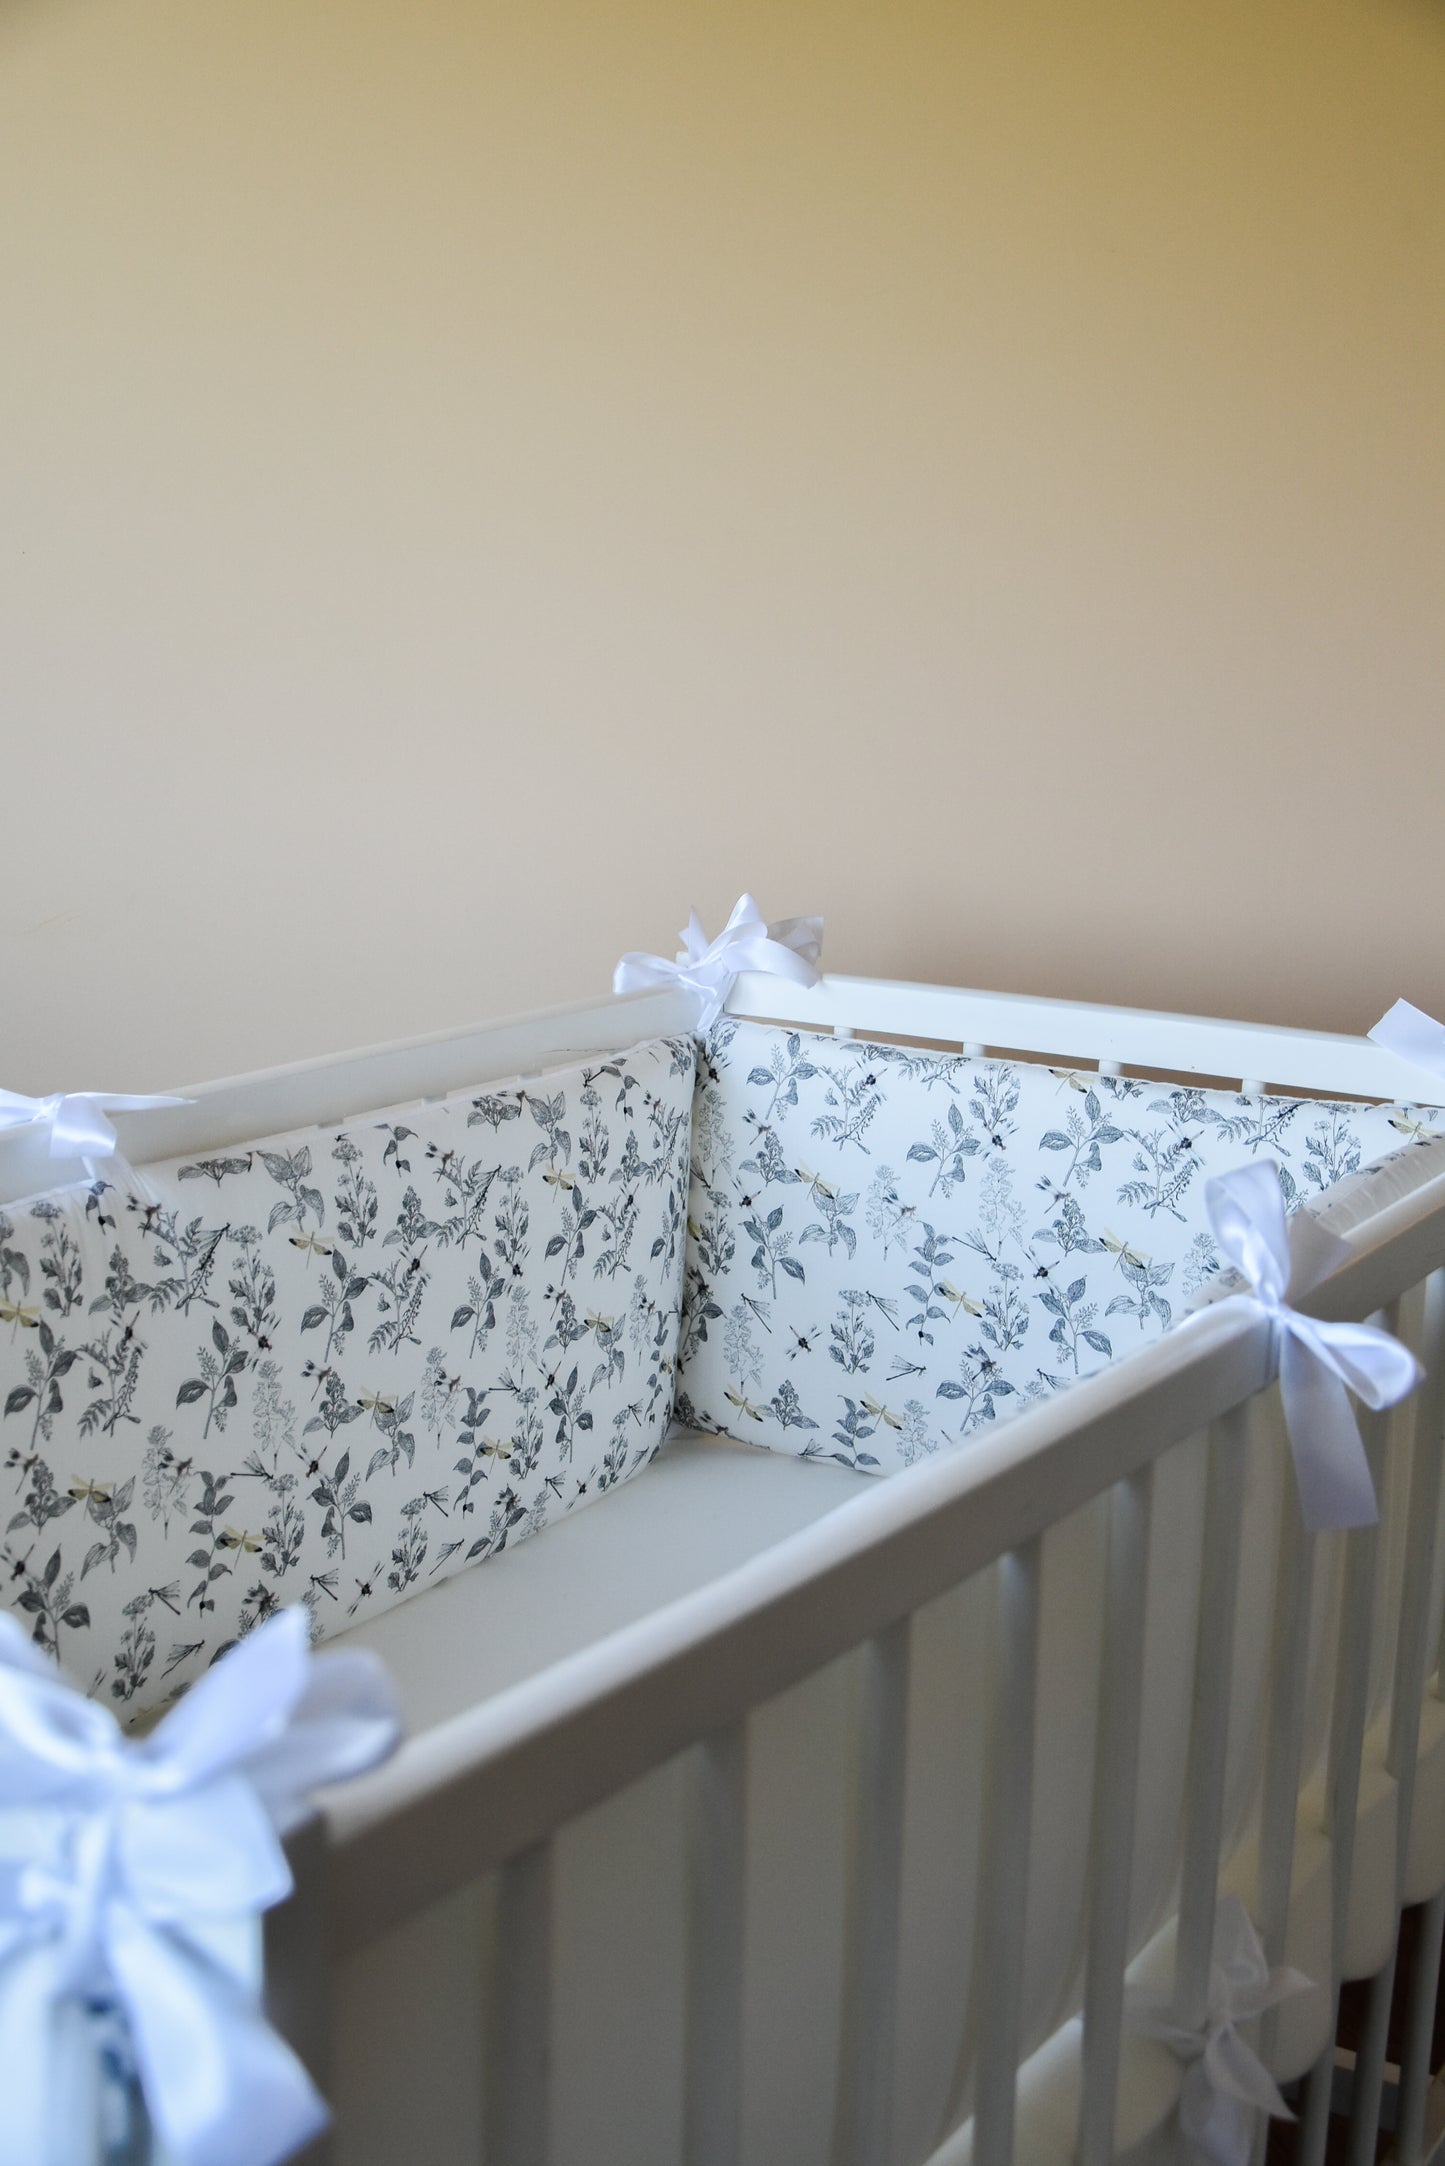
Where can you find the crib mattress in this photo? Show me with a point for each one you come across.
(707, 1505)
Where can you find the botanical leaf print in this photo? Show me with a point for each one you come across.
(889, 1247)
(334, 1368)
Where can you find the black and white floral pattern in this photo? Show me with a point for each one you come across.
(888, 1248)
(336, 1367)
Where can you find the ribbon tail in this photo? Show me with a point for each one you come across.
(1378, 1369)
(1235, 2069)
(222, 2088)
(1219, 2126)
(1411, 1035)
(785, 961)
(1336, 1488)
(803, 935)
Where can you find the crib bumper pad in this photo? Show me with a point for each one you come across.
(890, 1247)
(334, 1367)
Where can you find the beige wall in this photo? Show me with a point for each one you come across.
(476, 478)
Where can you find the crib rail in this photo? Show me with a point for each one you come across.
(492, 1787)
(1256, 1054)
(325, 1092)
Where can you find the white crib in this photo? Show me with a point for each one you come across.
(762, 1813)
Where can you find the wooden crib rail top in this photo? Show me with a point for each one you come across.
(336, 1087)
(1258, 1055)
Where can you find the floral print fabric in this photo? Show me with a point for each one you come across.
(334, 1367)
(888, 1248)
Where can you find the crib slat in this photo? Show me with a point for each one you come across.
(1281, 1792)
(1116, 1781)
(1289, 1663)
(1348, 1715)
(865, 2100)
(1209, 1722)
(1411, 1653)
(717, 1869)
(517, 2108)
(1004, 1853)
(1370, 2070)
(1289, 1668)
(1314, 2121)
(1350, 1711)
(1419, 2030)
(1346, 1743)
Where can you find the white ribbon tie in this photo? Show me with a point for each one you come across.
(126, 1868)
(79, 1122)
(1225, 2082)
(1320, 1364)
(791, 948)
(1412, 1035)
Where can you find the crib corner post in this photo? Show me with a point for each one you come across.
(296, 1942)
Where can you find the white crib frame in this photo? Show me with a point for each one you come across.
(491, 1788)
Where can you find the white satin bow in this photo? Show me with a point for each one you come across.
(1413, 1035)
(1225, 2082)
(1319, 1363)
(126, 1869)
(79, 1121)
(789, 949)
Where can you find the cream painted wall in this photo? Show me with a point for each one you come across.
(476, 478)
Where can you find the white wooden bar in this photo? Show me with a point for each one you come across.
(1279, 1812)
(713, 2042)
(1209, 1721)
(1370, 2069)
(1423, 1512)
(1289, 1663)
(1004, 1853)
(517, 2114)
(1116, 1781)
(1342, 1787)
(1352, 1690)
(1085, 1032)
(865, 2095)
(313, 1093)
(1419, 2033)
(1314, 2121)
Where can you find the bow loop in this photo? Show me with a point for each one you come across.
(1319, 1363)
(128, 1870)
(791, 948)
(1225, 2082)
